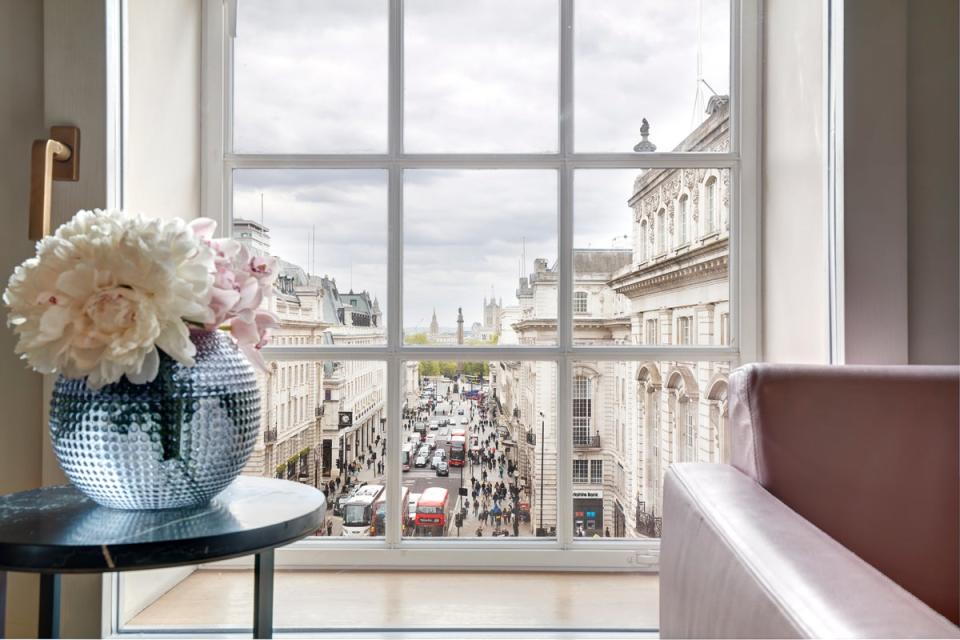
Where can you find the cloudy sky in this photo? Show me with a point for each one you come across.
(480, 76)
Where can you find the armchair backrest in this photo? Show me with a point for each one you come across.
(867, 454)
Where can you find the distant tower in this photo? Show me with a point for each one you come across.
(459, 325)
(434, 327)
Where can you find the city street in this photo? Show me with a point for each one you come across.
(417, 480)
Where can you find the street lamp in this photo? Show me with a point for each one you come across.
(543, 427)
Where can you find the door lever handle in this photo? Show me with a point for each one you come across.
(56, 158)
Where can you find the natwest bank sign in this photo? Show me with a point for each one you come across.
(588, 493)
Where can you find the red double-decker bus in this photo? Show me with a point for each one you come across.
(433, 511)
(458, 451)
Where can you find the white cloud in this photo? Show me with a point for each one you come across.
(480, 76)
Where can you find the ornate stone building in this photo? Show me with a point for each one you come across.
(299, 397)
(632, 419)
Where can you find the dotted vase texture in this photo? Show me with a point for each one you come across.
(172, 443)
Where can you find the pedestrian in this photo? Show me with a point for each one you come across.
(329, 527)
(606, 532)
(516, 528)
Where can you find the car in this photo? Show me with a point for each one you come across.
(442, 468)
(460, 412)
(438, 456)
(432, 441)
(421, 461)
(424, 450)
(443, 433)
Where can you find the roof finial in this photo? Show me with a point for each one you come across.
(645, 146)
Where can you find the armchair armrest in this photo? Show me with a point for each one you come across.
(737, 562)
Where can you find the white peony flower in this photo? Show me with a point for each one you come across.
(105, 292)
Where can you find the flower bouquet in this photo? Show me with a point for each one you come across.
(151, 326)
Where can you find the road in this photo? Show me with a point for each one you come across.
(419, 479)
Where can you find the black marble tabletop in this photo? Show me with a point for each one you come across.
(58, 529)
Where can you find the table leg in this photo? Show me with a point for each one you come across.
(263, 595)
(48, 625)
(3, 603)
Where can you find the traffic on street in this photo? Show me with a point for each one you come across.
(457, 478)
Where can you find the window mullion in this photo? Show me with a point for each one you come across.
(564, 409)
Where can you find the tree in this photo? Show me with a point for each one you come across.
(417, 338)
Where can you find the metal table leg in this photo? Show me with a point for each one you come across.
(48, 625)
(3, 603)
(263, 595)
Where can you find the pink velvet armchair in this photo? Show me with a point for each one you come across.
(839, 515)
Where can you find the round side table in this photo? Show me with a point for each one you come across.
(57, 530)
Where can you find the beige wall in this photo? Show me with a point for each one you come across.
(901, 176)
(21, 120)
(933, 176)
(794, 279)
(875, 181)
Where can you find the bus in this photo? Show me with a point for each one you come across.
(459, 431)
(380, 511)
(458, 451)
(358, 511)
(407, 453)
(433, 513)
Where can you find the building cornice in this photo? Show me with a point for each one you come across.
(702, 264)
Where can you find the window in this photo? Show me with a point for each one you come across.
(651, 333)
(596, 471)
(683, 330)
(661, 231)
(380, 136)
(690, 431)
(682, 221)
(709, 204)
(642, 241)
(579, 301)
(580, 471)
(582, 411)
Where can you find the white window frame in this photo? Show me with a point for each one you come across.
(742, 160)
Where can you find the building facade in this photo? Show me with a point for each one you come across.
(631, 420)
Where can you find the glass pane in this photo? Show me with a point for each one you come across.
(651, 257)
(324, 424)
(631, 420)
(480, 76)
(468, 431)
(470, 239)
(310, 76)
(664, 62)
(329, 230)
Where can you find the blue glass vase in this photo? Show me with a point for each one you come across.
(172, 443)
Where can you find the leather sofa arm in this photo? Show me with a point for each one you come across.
(735, 562)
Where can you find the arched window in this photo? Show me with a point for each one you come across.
(682, 217)
(582, 410)
(661, 230)
(579, 301)
(709, 204)
(642, 245)
(690, 429)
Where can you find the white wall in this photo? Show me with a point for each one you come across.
(162, 150)
(933, 175)
(21, 120)
(794, 262)
(161, 174)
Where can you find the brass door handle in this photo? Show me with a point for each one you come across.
(56, 158)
